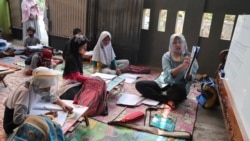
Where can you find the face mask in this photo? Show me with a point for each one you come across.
(40, 92)
(46, 63)
(31, 35)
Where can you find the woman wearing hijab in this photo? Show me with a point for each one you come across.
(171, 87)
(30, 14)
(73, 73)
(22, 100)
(104, 57)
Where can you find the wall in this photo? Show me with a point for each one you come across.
(5, 18)
(211, 46)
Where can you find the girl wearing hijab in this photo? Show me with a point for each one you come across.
(22, 100)
(171, 87)
(73, 73)
(104, 57)
(30, 14)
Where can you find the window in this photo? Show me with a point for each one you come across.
(227, 28)
(206, 24)
(162, 20)
(179, 21)
(146, 19)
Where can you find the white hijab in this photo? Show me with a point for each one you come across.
(103, 54)
(42, 78)
(184, 43)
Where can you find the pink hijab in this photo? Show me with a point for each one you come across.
(27, 10)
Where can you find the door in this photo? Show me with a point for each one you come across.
(64, 16)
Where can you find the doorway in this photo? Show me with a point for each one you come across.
(44, 35)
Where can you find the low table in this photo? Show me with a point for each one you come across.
(3, 74)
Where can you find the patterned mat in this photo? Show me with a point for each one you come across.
(98, 131)
(115, 110)
(185, 113)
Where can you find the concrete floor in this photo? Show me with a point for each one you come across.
(210, 125)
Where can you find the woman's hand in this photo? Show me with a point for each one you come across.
(34, 6)
(186, 62)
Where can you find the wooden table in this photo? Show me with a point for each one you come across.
(3, 74)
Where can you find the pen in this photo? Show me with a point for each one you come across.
(52, 110)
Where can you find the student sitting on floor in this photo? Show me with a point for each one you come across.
(5, 50)
(174, 64)
(30, 40)
(37, 60)
(103, 58)
(20, 102)
(73, 71)
(66, 50)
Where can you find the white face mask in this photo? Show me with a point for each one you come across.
(40, 92)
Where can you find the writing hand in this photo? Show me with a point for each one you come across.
(67, 108)
(51, 114)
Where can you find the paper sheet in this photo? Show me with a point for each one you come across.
(129, 99)
(35, 47)
(60, 119)
(150, 102)
(129, 78)
(104, 76)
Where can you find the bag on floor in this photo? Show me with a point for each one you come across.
(93, 94)
(208, 95)
(138, 69)
(38, 128)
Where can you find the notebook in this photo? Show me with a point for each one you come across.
(129, 99)
(167, 124)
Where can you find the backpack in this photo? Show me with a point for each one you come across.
(208, 95)
(93, 94)
(38, 128)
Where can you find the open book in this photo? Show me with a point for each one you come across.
(44, 107)
(194, 54)
(104, 75)
(63, 118)
(72, 119)
(135, 100)
(38, 46)
(129, 78)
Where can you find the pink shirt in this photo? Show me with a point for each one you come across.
(27, 10)
(76, 76)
